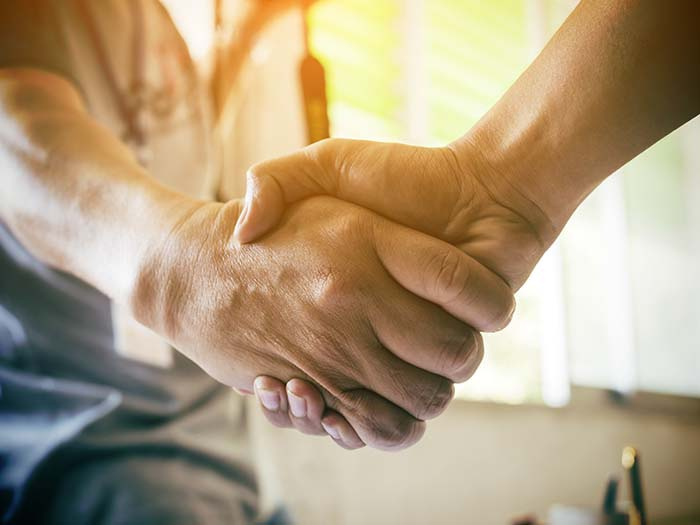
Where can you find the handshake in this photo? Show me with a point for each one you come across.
(350, 289)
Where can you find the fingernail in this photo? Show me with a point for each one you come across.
(330, 430)
(296, 404)
(269, 399)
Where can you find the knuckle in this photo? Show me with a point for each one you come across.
(390, 433)
(255, 172)
(503, 313)
(334, 288)
(321, 154)
(434, 398)
(352, 226)
(451, 277)
(455, 355)
(323, 145)
(333, 368)
(357, 401)
(322, 149)
(402, 433)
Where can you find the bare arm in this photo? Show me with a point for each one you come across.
(75, 195)
(618, 76)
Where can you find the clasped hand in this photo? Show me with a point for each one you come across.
(450, 193)
(379, 317)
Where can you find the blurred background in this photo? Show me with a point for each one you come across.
(611, 308)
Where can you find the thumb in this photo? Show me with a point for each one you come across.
(273, 184)
(444, 275)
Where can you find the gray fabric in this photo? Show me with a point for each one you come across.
(86, 434)
(141, 489)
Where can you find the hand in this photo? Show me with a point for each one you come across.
(376, 314)
(457, 198)
(453, 195)
(302, 407)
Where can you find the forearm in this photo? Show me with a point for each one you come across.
(617, 77)
(74, 195)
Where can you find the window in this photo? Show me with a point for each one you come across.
(612, 304)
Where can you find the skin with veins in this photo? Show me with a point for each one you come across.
(336, 295)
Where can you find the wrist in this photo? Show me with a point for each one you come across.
(523, 168)
(155, 257)
(165, 286)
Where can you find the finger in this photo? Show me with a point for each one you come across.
(271, 395)
(377, 422)
(273, 184)
(360, 417)
(424, 335)
(442, 274)
(340, 431)
(362, 172)
(421, 394)
(306, 406)
(309, 415)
